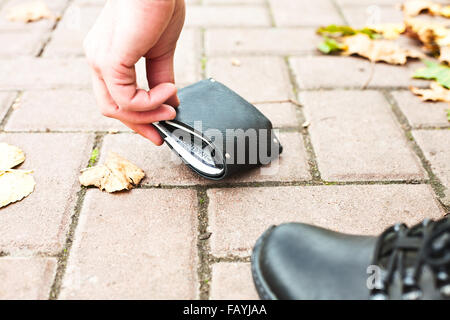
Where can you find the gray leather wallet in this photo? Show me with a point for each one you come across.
(217, 133)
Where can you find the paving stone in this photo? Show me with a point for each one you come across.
(187, 57)
(282, 41)
(135, 245)
(361, 16)
(67, 39)
(257, 79)
(22, 43)
(436, 147)
(227, 16)
(356, 137)
(281, 114)
(26, 278)
(331, 72)
(55, 6)
(39, 222)
(303, 13)
(232, 281)
(6, 99)
(41, 73)
(238, 216)
(162, 166)
(60, 110)
(420, 113)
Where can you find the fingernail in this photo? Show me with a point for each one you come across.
(174, 113)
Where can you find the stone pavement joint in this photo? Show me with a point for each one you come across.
(312, 158)
(7, 100)
(53, 28)
(436, 148)
(435, 181)
(65, 252)
(204, 267)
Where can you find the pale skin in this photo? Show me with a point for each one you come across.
(126, 31)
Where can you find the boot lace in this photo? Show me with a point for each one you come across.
(406, 251)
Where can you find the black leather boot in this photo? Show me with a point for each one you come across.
(303, 262)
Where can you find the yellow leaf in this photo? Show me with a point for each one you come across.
(389, 31)
(435, 93)
(10, 156)
(29, 12)
(15, 185)
(445, 11)
(116, 174)
(378, 50)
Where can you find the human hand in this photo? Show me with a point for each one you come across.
(126, 31)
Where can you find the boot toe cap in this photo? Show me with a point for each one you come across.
(298, 261)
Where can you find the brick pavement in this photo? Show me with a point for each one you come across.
(368, 159)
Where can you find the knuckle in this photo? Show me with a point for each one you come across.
(125, 106)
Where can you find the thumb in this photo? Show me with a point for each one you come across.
(160, 70)
(120, 80)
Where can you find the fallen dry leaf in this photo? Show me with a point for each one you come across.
(116, 174)
(10, 156)
(435, 93)
(389, 31)
(432, 34)
(14, 184)
(29, 12)
(378, 49)
(413, 8)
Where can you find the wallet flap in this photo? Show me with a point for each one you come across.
(217, 107)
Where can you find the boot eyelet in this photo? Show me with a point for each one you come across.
(412, 295)
(445, 290)
(378, 296)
